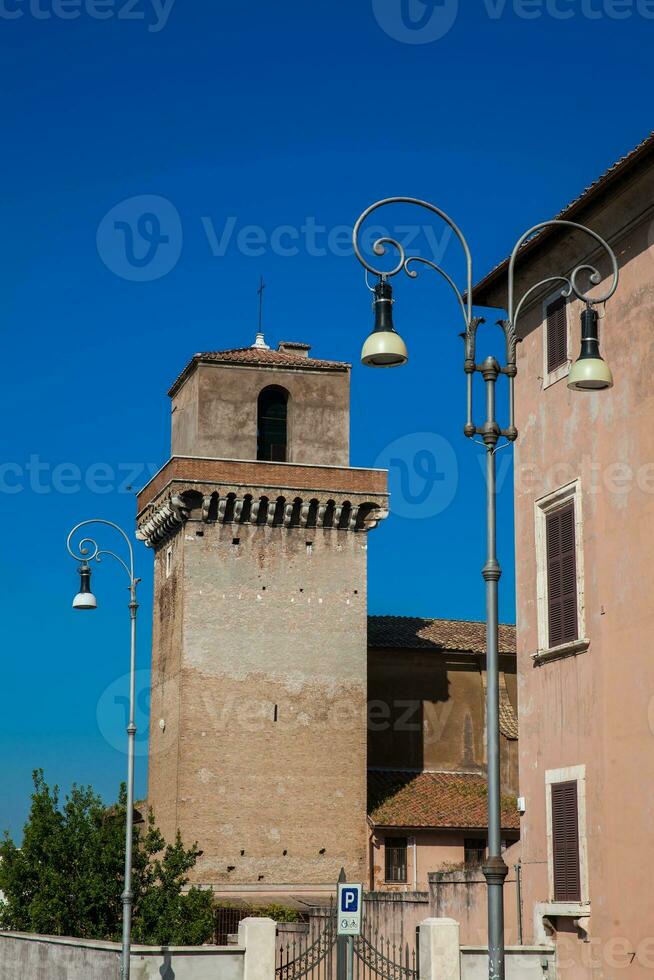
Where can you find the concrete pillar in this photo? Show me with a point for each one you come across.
(258, 938)
(439, 950)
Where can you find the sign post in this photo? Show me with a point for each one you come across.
(349, 919)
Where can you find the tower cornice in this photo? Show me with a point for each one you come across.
(259, 493)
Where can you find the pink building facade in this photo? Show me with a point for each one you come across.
(584, 502)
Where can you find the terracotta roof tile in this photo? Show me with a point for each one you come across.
(433, 799)
(260, 357)
(408, 632)
(285, 358)
(508, 717)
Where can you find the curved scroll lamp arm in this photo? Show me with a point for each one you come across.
(589, 372)
(88, 550)
(571, 281)
(404, 261)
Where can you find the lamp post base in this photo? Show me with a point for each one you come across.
(495, 871)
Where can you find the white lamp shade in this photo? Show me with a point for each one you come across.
(384, 348)
(85, 600)
(590, 374)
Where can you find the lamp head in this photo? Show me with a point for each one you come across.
(384, 347)
(590, 372)
(85, 598)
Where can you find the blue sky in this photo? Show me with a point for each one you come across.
(254, 133)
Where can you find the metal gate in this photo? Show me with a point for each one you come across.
(376, 958)
(315, 956)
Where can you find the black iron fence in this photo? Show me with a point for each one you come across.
(315, 955)
(377, 958)
(226, 922)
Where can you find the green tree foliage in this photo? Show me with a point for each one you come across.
(67, 877)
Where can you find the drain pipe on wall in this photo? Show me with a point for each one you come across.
(415, 863)
(518, 898)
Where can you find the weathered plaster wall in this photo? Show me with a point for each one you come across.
(595, 709)
(29, 957)
(427, 711)
(462, 895)
(215, 413)
(433, 849)
(185, 433)
(396, 917)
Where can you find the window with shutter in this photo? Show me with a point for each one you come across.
(557, 334)
(561, 576)
(565, 842)
(474, 852)
(396, 863)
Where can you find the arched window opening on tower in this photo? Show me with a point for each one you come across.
(272, 424)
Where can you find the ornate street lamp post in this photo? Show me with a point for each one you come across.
(385, 348)
(87, 550)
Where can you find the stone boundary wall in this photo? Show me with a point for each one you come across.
(442, 957)
(24, 956)
(397, 915)
(522, 963)
(462, 895)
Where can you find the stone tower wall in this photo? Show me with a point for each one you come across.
(270, 665)
(259, 669)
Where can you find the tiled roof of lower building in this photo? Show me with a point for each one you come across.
(409, 632)
(508, 717)
(433, 799)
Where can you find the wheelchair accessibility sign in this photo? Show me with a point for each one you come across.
(349, 910)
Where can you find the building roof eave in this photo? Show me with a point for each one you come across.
(249, 357)
(599, 188)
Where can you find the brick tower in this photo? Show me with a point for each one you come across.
(258, 712)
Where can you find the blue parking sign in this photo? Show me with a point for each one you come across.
(349, 909)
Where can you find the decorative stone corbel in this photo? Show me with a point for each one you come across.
(206, 504)
(371, 520)
(583, 925)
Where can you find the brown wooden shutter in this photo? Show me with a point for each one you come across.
(565, 842)
(557, 334)
(562, 576)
